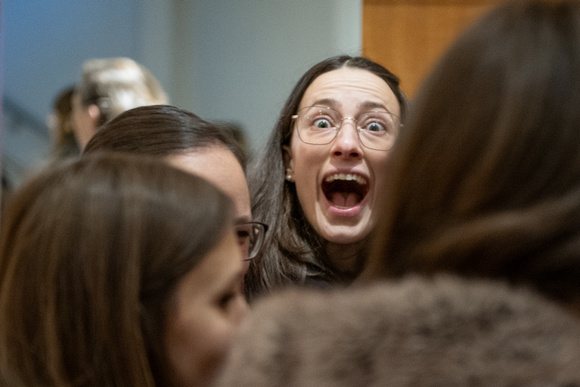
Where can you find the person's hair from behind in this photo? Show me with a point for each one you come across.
(485, 180)
(60, 123)
(91, 254)
(110, 86)
(162, 130)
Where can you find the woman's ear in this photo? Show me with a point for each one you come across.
(287, 153)
(288, 163)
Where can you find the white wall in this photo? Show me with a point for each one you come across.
(232, 60)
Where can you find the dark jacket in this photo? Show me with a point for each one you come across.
(416, 332)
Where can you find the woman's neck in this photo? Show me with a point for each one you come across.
(346, 259)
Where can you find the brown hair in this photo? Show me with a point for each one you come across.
(292, 250)
(64, 143)
(90, 252)
(162, 130)
(485, 180)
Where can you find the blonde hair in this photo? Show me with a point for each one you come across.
(118, 84)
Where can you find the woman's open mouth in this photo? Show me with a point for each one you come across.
(345, 190)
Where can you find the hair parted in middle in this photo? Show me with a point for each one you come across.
(292, 250)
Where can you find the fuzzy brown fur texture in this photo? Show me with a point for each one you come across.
(417, 332)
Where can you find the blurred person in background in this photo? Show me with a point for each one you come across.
(109, 87)
(61, 127)
(185, 141)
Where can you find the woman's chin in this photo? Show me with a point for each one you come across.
(345, 235)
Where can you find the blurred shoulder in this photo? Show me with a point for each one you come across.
(416, 331)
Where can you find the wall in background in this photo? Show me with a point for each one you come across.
(247, 55)
(234, 61)
(45, 43)
(44, 46)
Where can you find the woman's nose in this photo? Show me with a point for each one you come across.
(347, 142)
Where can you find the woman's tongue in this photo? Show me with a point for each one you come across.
(343, 199)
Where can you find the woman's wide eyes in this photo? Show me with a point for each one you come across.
(322, 123)
(370, 124)
(374, 126)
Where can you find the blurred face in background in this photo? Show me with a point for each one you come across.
(204, 313)
(219, 166)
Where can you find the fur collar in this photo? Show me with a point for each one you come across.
(416, 332)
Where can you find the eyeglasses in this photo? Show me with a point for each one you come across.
(319, 125)
(251, 238)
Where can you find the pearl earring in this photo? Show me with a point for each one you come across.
(289, 176)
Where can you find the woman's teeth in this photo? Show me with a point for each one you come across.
(346, 177)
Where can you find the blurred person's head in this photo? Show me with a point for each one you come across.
(109, 87)
(185, 141)
(117, 270)
(60, 124)
(485, 179)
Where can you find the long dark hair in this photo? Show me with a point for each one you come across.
(90, 253)
(292, 249)
(485, 179)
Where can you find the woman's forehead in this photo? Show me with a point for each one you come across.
(350, 88)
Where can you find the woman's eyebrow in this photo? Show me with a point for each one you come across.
(326, 102)
(242, 219)
(366, 105)
(373, 105)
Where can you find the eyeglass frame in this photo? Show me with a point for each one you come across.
(399, 126)
(263, 230)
